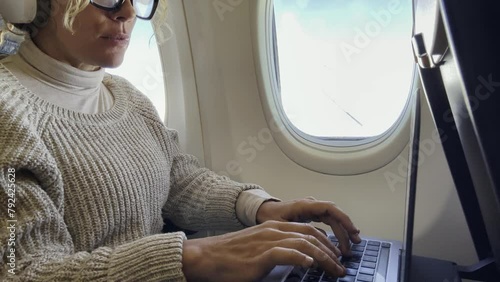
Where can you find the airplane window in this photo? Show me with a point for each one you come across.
(345, 67)
(142, 65)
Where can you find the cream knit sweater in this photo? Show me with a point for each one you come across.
(91, 190)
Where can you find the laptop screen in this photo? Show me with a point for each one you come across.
(406, 252)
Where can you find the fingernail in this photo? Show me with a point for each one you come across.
(341, 269)
(309, 262)
(315, 264)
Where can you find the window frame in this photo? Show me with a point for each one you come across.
(337, 157)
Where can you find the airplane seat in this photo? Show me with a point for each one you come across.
(9, 42)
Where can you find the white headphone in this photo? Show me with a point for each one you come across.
(18, 11)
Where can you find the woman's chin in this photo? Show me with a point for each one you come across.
(112, 63)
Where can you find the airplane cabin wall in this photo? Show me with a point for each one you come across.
(232, 138)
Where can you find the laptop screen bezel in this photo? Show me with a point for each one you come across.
(413, 156)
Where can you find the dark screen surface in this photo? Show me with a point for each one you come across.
(406, 252)
(472, 84)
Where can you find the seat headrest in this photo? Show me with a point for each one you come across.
(18, 11)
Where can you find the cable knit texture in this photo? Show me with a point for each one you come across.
(92, 189)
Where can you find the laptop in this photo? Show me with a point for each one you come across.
(373, 260)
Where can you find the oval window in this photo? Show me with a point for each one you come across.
(344, 67)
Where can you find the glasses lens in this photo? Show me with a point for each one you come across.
(144, 8)
(107, 3)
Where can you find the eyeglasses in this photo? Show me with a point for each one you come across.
(144, 9)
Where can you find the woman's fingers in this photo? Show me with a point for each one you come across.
(341, 234)
(304, 253)
(307, 240)
(333, 212)
(343, 228)
(341, 224)
(308, 229)
(286, 256)
(249, 254)
(304, 242)
(319, 252)
(329, 213)
(337, 215)
(310, 209)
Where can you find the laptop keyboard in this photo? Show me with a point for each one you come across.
(368, 258)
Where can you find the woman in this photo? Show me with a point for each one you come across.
(93, 172)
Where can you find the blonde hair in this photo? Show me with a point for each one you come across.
(44, 11)
(73, 8)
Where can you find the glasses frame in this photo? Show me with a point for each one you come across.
(119, 4)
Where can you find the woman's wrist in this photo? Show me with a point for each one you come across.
(268, 211)
(192, 260)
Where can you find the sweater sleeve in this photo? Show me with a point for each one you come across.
(200, 199)
(35, 244)
(38, 246)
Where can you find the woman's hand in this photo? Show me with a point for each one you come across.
(249, 254)
(310, 209)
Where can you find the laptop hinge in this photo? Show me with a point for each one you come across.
(484, 270)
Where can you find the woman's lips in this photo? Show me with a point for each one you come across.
(119, 39)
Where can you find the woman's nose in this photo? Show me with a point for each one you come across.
(125, 13)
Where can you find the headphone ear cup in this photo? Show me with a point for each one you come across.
(41, 18)
(18, 11)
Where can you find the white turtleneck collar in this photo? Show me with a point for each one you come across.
(61, 74)
(60, 83)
